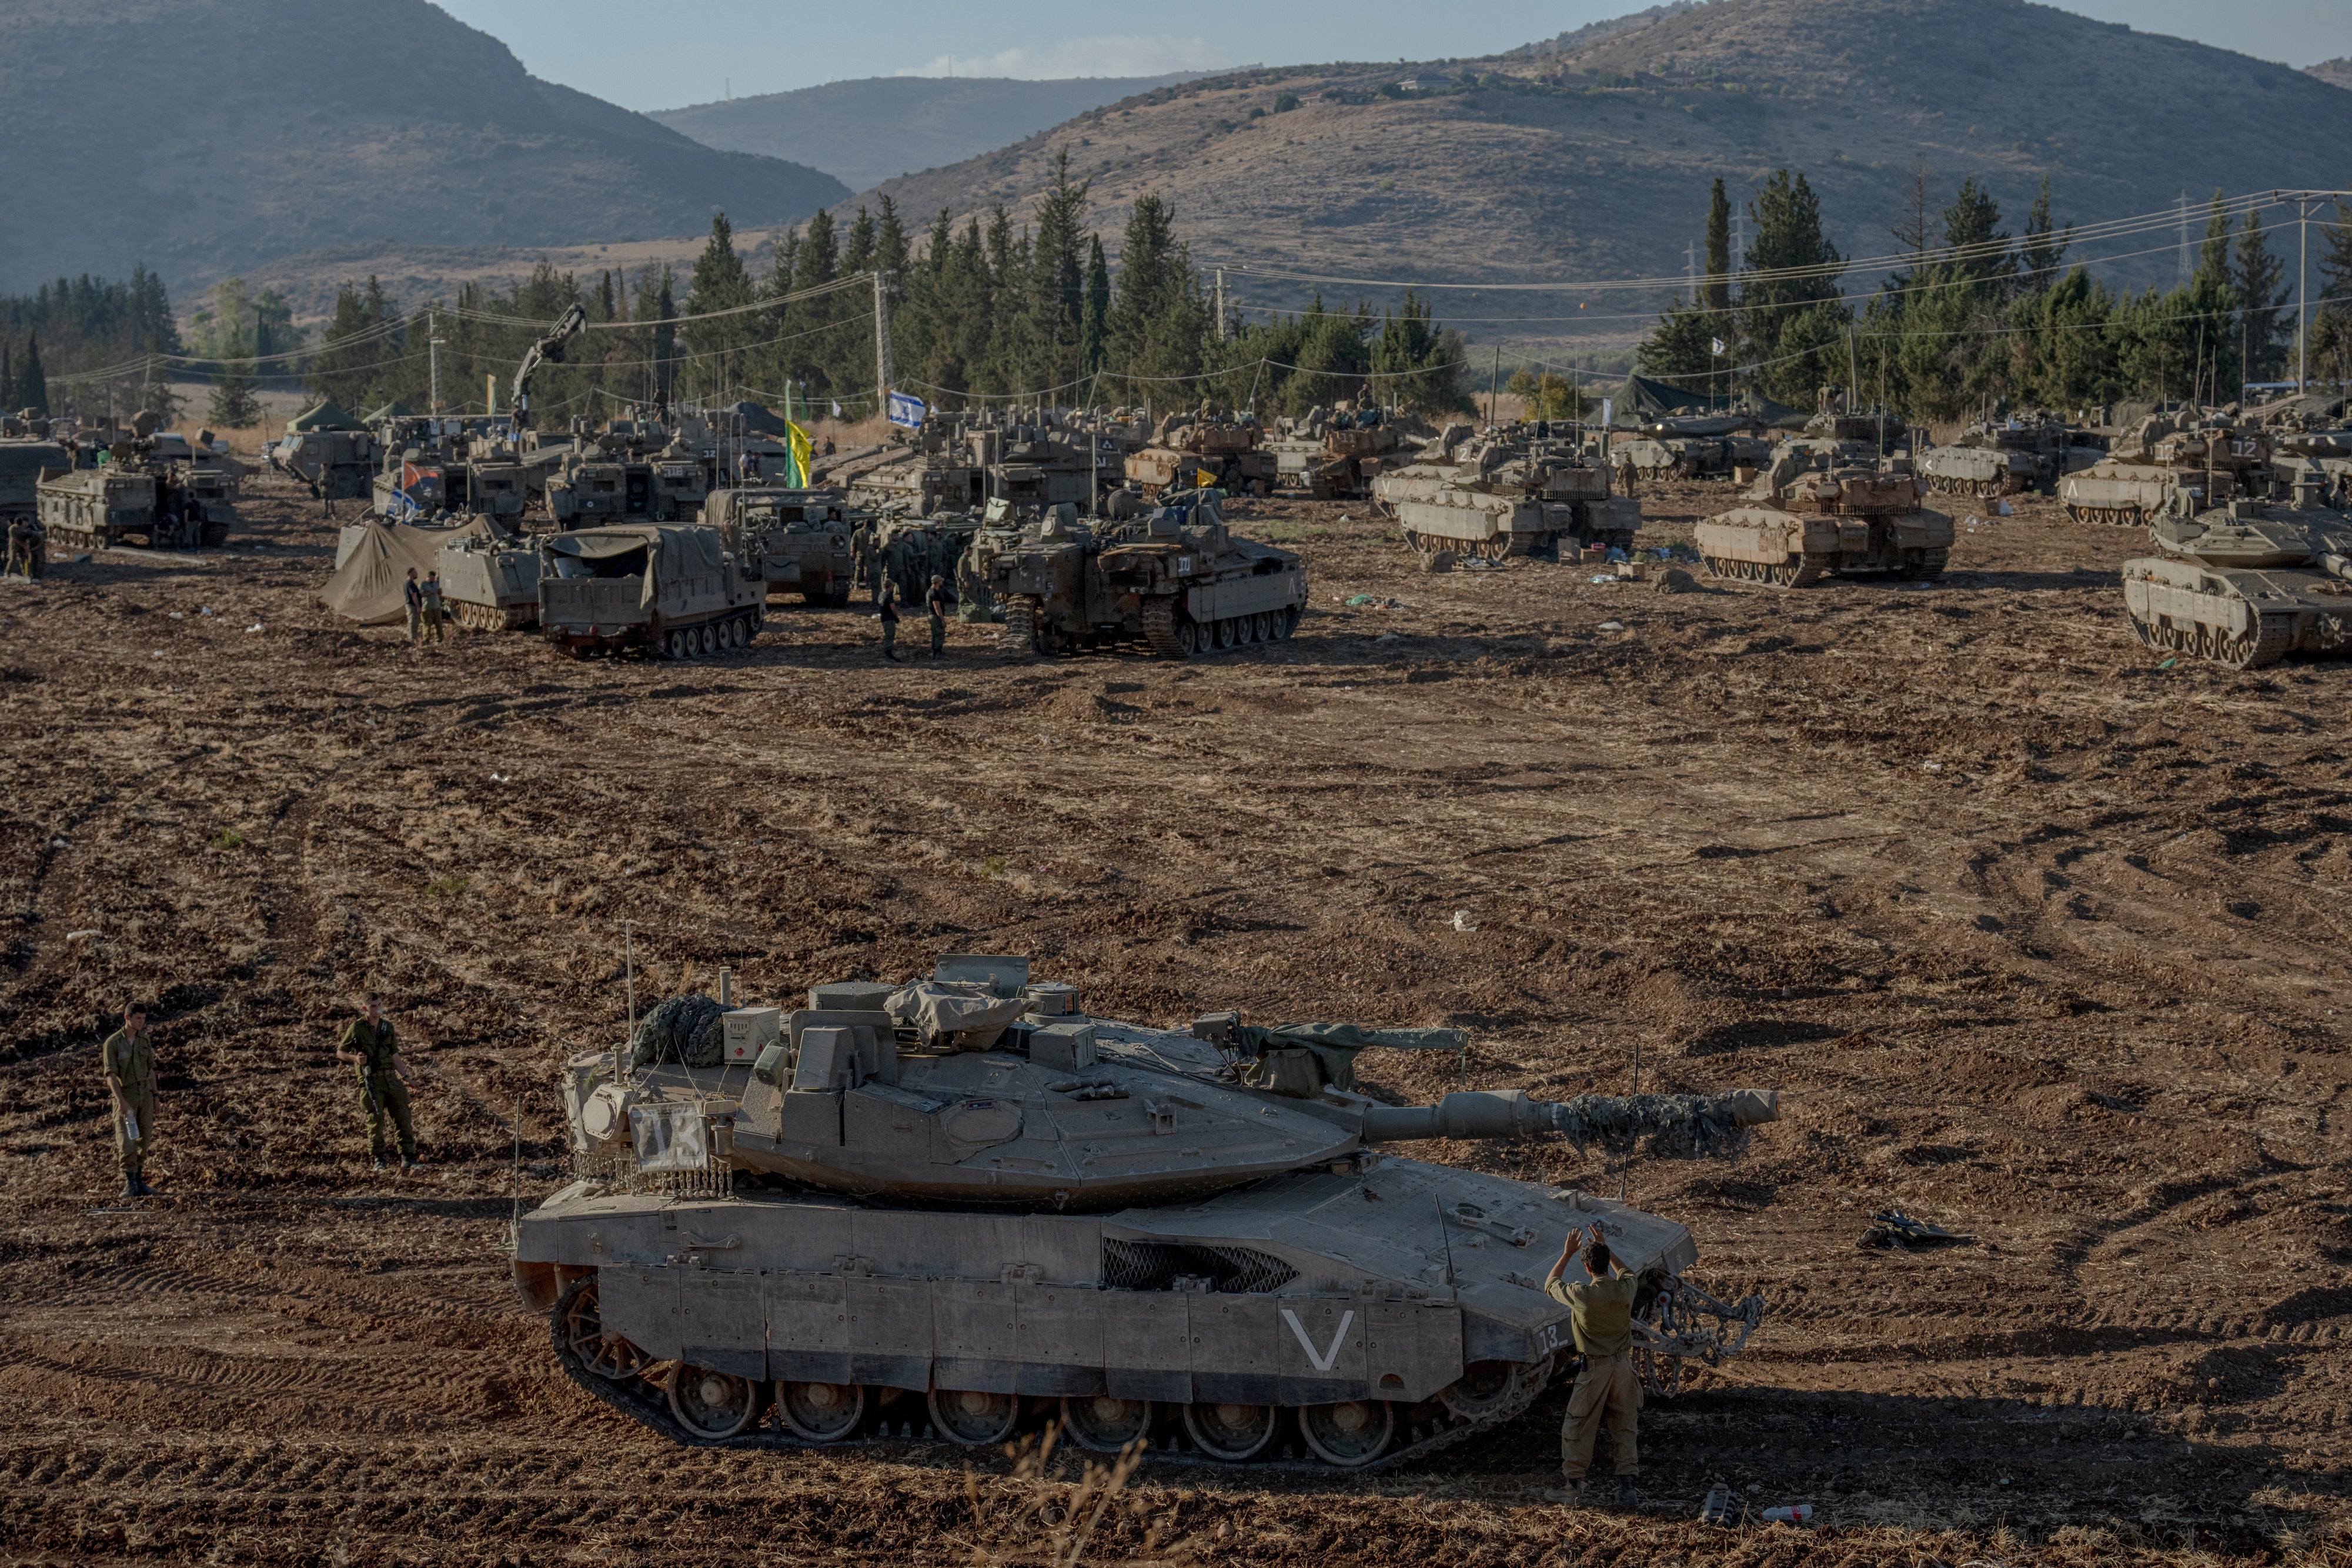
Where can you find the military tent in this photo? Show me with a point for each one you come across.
(328, 416)
(372, 566)
(396, 408)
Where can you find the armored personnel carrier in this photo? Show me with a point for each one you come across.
(1991, 460)
(26, 459)
(2244, 584)
(1806, 518)
(674, 590)
(335, 465)
(1510, 494)
(97, 509)
(1226, 452)
(490, 575)
(963, 1205)
(1176, 580)
(2166, 453)
(801, 537)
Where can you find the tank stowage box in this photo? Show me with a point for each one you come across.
(956, 1204)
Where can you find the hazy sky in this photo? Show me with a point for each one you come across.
(691, 51)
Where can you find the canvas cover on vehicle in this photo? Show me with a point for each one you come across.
(1336, 1045)
(963, 1015)
(670, 553)
(367, 586)
(327, 415)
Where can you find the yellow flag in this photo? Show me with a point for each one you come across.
(798, 478)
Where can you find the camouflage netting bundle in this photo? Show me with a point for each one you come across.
(682, 1029)
(1674, 1125)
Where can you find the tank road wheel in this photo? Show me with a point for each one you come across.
(2268, 645)
(972, 1419)
(1350, 1434)
(1190, 637)
(1802, 572)
(1019, 640)
(1260, 632)
(1233, 1432)
(706, 640)
(713, 1406)
(1102, 1424)
(1719, 567)
(1287, 621)
(668, 647)
(580, 1336)
(821, 1412)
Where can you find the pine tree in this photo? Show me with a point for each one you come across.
(1093, 326)
(31, 382)
(2261, 282)
(341, 367)
(1788, 324)
(233, 404)
(2042, 252)
(1714, 294)
(1056, 304)
(718, 284)
(2213, 255)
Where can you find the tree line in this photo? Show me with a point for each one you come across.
(1983, 319)
(75, 323)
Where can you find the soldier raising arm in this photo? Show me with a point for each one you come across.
(371, 1045)
(1601, 1313)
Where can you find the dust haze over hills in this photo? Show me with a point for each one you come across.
(235, 131)
(1589, 156)
(867, 130)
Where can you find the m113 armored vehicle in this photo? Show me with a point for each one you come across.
(802, 538)
(1176, 579)
(963, 1204)
(1802, 521)
(2245, 584)
(675, 589)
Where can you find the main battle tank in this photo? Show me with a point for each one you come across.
(1991, 460)
(2244, 584)
(801, 537)
(1177, 580)
(2163, 454)
(1193, 451)
(1513, 492)
(1807, 517)
(1708, 447)
(963, 1204)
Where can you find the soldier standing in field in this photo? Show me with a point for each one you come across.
(889, 614)
(1600, 1312)
(862, 563)
(432, 592)
(371, 1045)
(128, 1061)
(412, 593)
(941, 604)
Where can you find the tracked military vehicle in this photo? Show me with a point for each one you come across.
(1509, 494)
(673, 589)
(2166, 453)
(2244, 584)
(963, 1205)
(1805, 517)
(1176, 580)
(98, 509)
(801, 537)
(1702, 447)
(490, 575)
(1335, 455)
(1990, 460)
(26, 459)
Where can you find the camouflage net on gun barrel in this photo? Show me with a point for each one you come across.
(683, 1029)
(1673, 1125)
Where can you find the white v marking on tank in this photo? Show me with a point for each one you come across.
(1322, 1360)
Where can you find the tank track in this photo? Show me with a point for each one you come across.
(2118, 517)
(1019, 639)
(1159, 628)
(2267, 646)
(632, 1396)
(1803, 573)
(1930, 567)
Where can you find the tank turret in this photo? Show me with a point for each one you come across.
(963, 1202)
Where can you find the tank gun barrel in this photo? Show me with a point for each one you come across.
(1698, 1124)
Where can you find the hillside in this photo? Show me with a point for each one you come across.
(868, 131)
(2338, 72)
(240, 130)
(1592, 156)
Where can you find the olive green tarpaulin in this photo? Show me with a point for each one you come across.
(1336, 1045)
(328, 416)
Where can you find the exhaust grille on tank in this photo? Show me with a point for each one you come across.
(1158, 1265)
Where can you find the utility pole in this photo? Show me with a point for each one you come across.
(2304, 202)
(1690, 267)
(881, 345)
(1221, 305)
(433, 352)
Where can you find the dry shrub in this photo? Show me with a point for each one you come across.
(1043, 1514)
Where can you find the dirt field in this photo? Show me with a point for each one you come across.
(2037, 940)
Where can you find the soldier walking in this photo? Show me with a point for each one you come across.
(127, 1062)
(371, 1045)
(431, 592)
(861, 560)
(941, 604)
(889, 614)
(413, 594)
(1601, 1313)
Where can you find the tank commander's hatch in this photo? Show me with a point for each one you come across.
(1003, 977)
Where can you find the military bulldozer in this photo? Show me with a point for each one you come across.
(1176, 580)
(963, 1205)
(675, 591)
(1806, 515)
(2244, 584)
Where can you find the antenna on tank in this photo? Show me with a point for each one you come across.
(629, 966)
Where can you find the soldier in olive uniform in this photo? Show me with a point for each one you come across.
(371, 1047)
(128, 1061)
(862, 562)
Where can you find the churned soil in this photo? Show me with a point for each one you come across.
(2038, 939)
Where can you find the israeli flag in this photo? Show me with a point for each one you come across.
(907, 411)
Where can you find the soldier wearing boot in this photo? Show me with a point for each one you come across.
(371, 1047)
(1601, 1313)
(128, 1061)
